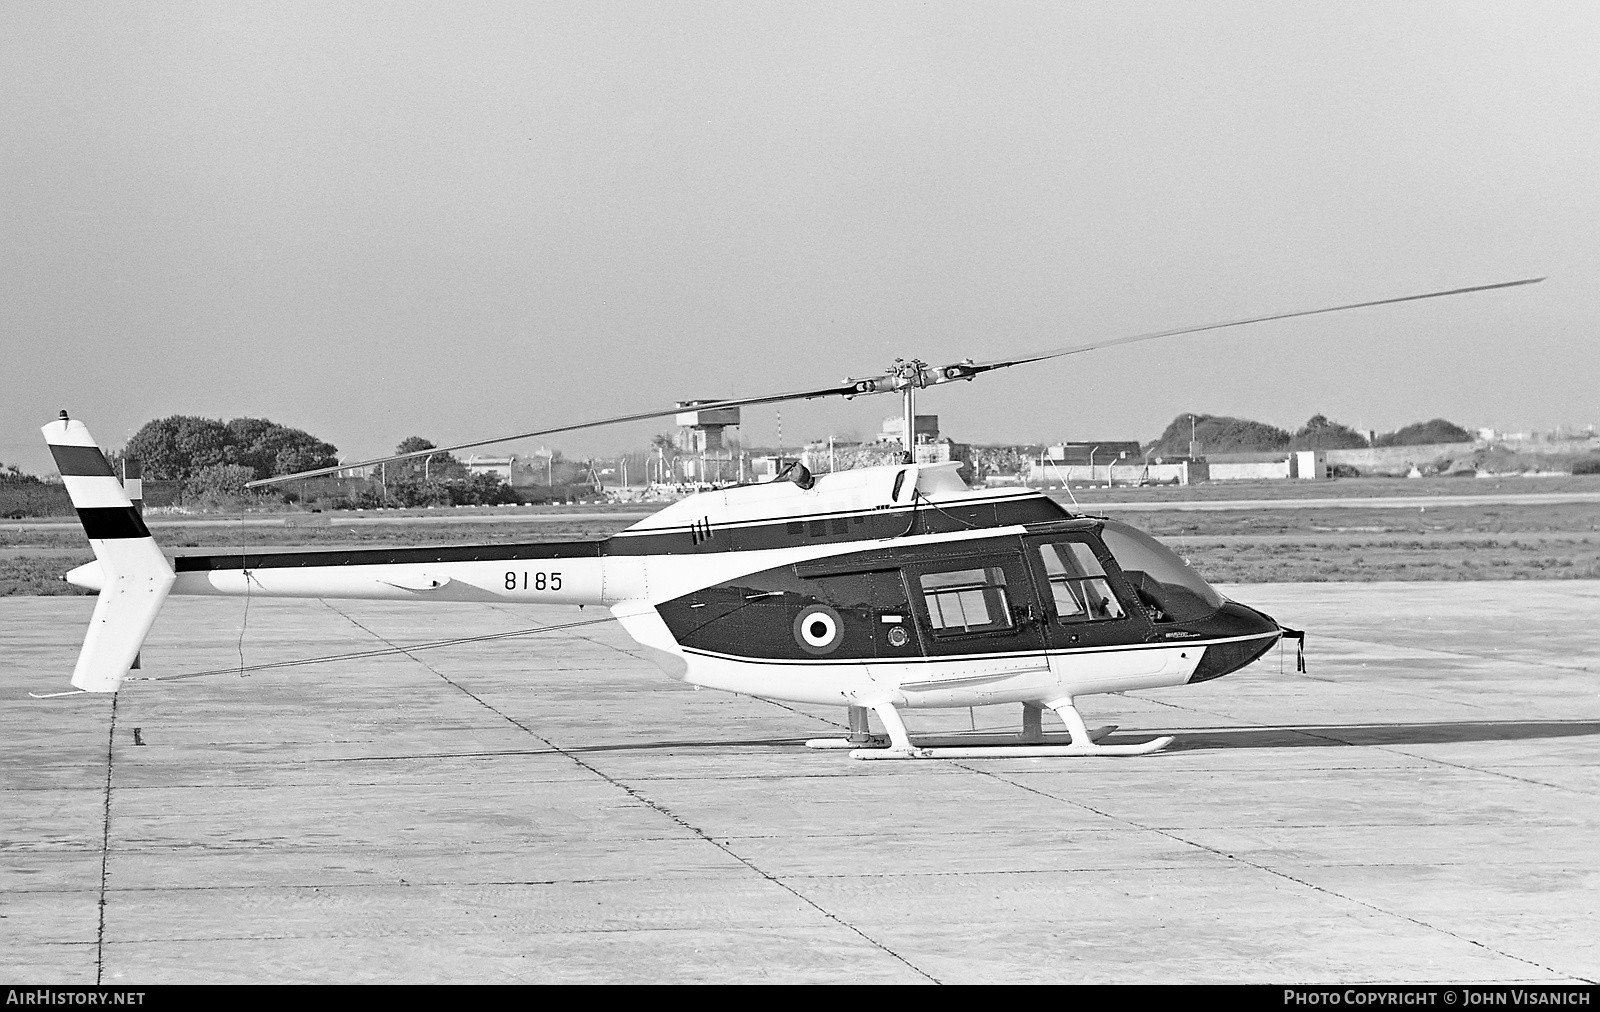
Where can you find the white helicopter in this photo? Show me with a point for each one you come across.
(880, 588)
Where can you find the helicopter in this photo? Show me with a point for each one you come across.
(880, 589)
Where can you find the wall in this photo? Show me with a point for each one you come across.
(1395, 459)
(1250, 470)
(1182, 472)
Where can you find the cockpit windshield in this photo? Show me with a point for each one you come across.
(1170, 590)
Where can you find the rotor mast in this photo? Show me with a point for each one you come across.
(907, 436)
(910, 373)
(908, 376)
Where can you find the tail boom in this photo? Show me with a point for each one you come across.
(567, 573)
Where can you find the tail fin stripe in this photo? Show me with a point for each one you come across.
(85, 461)
(104, 523)
(95, 491)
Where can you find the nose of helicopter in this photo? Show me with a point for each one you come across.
(1249, 634)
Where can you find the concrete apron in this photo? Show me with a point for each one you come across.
(1419, 806)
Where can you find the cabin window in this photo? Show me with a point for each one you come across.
(1078, 583)
(967, 600)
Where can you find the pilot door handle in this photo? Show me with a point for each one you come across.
(1024, 614)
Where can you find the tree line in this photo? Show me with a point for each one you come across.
(1222, 434)
(212, 460)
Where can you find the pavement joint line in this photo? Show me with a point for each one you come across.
(621, 650)
(796, 710)
(1175, 836)
(1488, 772)
(319, 886)
(1392, 749)
(1246, 862)
(1379, 688)
(1340, 682)
(1272, 871)
(105, 848)
(556, 931)
(1441, 762)
(241, 669)
(659, 808)
(1095, 870)
(1454, 653)
(820, 876)
(633, 654)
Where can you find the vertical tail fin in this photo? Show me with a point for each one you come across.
(135, 576)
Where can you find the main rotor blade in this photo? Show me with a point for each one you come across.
(964, 370)
(843, 390)
(1076, 349)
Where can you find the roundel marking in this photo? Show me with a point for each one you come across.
(818, 629)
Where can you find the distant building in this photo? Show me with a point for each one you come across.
(769, 467)
(927, 429)
(1085, 454)
(940, 451)
(544, 468)
(502, 466)
(703, 451)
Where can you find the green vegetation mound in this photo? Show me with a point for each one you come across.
(1435, 430)
(1218, 434)
(184, 447)
(1319, 433)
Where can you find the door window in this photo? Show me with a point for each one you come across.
(1078, 585)
(967, 600)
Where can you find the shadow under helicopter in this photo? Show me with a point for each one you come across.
(1359, 735)
(1208, 739)
(1303, 735)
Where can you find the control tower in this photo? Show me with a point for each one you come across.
(705, 455)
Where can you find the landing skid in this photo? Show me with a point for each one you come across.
(869, 741)
(1013, 751)
(1083, 742)
(860, 736)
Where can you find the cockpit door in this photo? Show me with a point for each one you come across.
(1085, 600)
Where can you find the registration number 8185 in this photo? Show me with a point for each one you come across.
(533, 581)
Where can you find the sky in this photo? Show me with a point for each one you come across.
(378, 220)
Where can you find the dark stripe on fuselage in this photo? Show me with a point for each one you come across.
(81, 461)
(106, 523)
(387, 556)
(834, 528)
